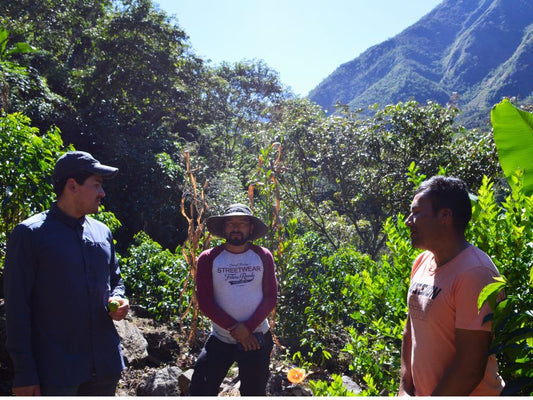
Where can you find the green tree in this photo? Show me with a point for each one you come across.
(238, 101)
(154, 278)
(9, 68)
(358, 164)
(350, 171)
(133, 111)
(120, 80)
(27, 159)
(63, 32)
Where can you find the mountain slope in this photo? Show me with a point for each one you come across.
(480, 50)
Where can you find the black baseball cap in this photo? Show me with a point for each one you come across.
(73, 162)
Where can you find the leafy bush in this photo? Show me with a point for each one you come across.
(302, 272)
(379, 291)
(328, 315)
(505, 232)
(155, 278)
(334, 388)
(26, 163)
(311, 319)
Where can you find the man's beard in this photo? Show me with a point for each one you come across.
(237, 240)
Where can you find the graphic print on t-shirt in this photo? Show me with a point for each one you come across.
(239, 274)
(237, 283)
(421, 297)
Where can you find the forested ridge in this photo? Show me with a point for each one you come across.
(472, 52)
(121, 80)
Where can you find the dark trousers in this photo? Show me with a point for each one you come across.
(217, 357)
(102, 387)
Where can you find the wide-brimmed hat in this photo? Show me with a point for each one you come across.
(74, 162)
(215, 224)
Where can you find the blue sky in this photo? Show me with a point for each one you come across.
(303, 40)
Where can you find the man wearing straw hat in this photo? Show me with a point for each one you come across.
(236, 289)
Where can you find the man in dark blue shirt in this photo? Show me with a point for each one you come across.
(60, 273)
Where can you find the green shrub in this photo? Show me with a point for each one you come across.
(302, 272)
(505, 232)
(27, 160)
(155, 278)
(330, 389)
(379, 292)
(328, 315)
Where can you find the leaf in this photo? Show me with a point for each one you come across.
(3, 40)
(21, 47)
(489, 291)
(513, 135)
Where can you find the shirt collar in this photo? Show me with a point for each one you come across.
(56, 212)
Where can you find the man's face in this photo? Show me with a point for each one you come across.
(237, 230)
(423, 223)
(89, 195)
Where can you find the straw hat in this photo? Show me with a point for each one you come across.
(215, 224)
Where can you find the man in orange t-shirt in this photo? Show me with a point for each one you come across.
(445, 342)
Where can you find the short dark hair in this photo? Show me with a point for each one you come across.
(79, 177)
(449, 192)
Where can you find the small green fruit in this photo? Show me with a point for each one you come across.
(113, 305)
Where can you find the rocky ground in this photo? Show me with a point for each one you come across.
(159, 362)
(168, 349)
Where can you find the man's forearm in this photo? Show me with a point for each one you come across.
(406, 378)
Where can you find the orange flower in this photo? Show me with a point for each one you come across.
(296, 375)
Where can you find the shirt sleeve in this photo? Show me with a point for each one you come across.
(117, 285)
(19, 278)
(205, 293)
(469, 286)
(270, 291)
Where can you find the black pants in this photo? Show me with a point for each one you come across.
(216, 359)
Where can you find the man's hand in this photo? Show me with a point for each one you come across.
(121, 312)
(33, 390)
(242, 335)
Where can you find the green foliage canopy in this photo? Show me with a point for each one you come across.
(27, 160)
(356, 166)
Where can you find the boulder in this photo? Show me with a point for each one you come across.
(134, 345)
(163, 382)
(350, 384)
(184, 381)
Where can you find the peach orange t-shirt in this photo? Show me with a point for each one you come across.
(441, 300)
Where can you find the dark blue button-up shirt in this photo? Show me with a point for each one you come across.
(59, 274)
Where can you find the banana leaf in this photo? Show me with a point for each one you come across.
(513, 135)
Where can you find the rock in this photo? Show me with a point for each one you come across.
(162, 347)
(231, 389)
(134, 345)
(350, 384)
(163, 382)
(184, 381)
(298, 391)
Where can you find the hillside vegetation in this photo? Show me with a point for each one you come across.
(472, 53)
